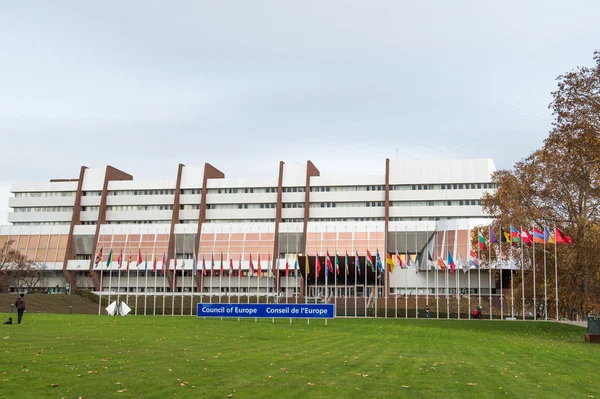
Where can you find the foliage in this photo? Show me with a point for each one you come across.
(136, 356)
(16, 269)
(558, 184)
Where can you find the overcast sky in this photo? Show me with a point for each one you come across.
(144, 85)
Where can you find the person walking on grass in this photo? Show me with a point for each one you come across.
(427, 310)
(20, 304)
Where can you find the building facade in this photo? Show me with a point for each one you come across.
(202, 232)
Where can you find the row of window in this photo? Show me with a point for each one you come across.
(138, 222)
(139, 208)
(271, 205)
(192, 191)
(141, 192)
(247, 190)
(189, 207)
(397, 187)
(240, 221)
(92, 193)
(41, 223)
(292, 220)
(44, 209)
(435, 203)
(90, 208)
(293, 205)
(45, 194)
(346, 219)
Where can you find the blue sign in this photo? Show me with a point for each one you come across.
(266, 310)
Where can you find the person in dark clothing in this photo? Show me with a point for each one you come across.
(9, 321)
(479, 312)
(20, 304)
(427, 310)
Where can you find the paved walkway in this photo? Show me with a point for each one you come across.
(575, 323)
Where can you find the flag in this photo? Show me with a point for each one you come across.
(120, 258)
(203, 265)
(482, 244)
(98, 257)
(146, 262)
(269, 263)
(259, 269)
(526, 237)
(548, 236)
(154, 263)
(221, 266)
(429, 260)
(461, 262)
(346, 262)
(139, 259)
(504, 236)
(515, 236)
(296, 267)
(307, 265)
(398, 261)
(390, 262)
(251, 266)
(230, 266)
(287, 268)
(369, 261)
(240, 268)
(128, 263)
(493, 237)
(318, 264)
(473, 260)
(164, 262)
(328, 263)
(451, 263)
(407, 259)
(337, 264)
(109, 259)
(357, 261)
(538, 235)
(378, 262)
(441, 263)
(194, 265)
(212, 264)
(561, 238)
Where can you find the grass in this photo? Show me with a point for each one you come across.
(186, 357)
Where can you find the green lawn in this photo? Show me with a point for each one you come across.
(185, 357)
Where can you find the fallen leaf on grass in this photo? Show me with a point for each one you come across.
(405, 386)
(230, 395)
(472, 384)
(54, 385)
(121, 390)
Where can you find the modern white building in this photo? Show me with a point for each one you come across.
(200, 218)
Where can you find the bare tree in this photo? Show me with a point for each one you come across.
(16, 270)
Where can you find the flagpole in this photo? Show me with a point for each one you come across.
(146, 283)
(456, 273)
(545, 278)
(396, 293)
(99, 265)
(335, 268)
(501, 276)
(110, 268)
(534, 288)
(417, 273)
(137, 275)
(366, 272)
(296, 266)
(259, 272)
(479, 277)
(406, 262)
(165, 267)
(556, 271)
(212, 267)
(154, 270)
(376, 272)
(355, 272)
(285, 256)
(230, 268)
(522, 273)
(512, 290)
(241, 255)
(427, 263)
(469, 270)
(437, 274)
(490, 273)
(346, 260)
(182, 272)
(249, 271)
(173, 276)
(446, 277)
(221, 270)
